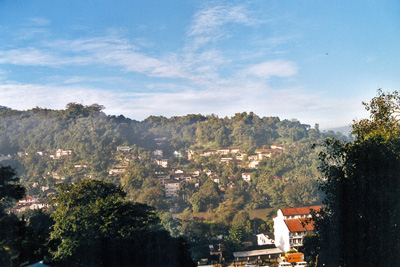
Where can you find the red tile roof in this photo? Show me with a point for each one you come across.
(296, 225)
(308, 224)
(299, 211)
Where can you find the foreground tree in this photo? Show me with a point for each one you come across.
(10, 191)
(95, 226)
(10, 188)
(359, 225)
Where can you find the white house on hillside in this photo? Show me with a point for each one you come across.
(158, 153)
(253, 164)
(265, 239)
(162, 162)
(124, 149)
(246, 176)
(171, 188)
(63, 152)
(290, 226)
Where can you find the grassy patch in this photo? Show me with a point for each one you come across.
(264, 214)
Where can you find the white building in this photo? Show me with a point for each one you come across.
(265, 239)
(209, 152)
(215, 179)
(263, 153)
(235, 150)
(277, 146)
(62, 153)
(116, 171)
(290, 226)
(223, 151)
(241, 156)
(124, 149)
(253, 164)
(225, 160)
(158, 153)
(246, 176)
(190, 154)
(171, 188)
(178, 154)
(162, 162)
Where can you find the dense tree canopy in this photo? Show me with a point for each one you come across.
(95, 226)
(29, 141)
(10, 190)
(359, 225)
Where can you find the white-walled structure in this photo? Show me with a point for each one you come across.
(162, 162)
(290, 226)
(61, 153)
(246, 176)
(171, 188)
(265, 239)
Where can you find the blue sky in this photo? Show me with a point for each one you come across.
(315, 61)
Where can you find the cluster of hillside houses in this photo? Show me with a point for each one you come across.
(290, 225)
(32, 202)
(172, 179)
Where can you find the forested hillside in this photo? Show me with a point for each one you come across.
(29, 141)
(222, 167)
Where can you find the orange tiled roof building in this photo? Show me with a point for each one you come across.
(290, 226)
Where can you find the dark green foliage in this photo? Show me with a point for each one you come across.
(95, 226)
(31, 237)
(11, 228)
(233, 241)
(206, 198)
(359, 225)
(286, 179)
(311, 248)
(94, 136)
(9, 225)
(10, 189)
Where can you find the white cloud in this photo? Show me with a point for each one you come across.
(208, 23)
(192, 80)
(223, 100)
(106, 51)
(27, 57)
(89, 79)
(278, 68)
(26, 96)
(38, 21)
(113, 50)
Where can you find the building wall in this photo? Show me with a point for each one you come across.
(281, 232)
(264, 240)
(296, 239)
(284, 238)
(171, 189)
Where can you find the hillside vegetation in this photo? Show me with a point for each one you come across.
(207, 156)
(29, 141)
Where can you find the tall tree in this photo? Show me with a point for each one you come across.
(10, 190)
(359, 225)
(95, 226)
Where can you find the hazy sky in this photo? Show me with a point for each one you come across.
(311, 60)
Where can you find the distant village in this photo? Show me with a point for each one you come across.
(170, 177)
(290, 225)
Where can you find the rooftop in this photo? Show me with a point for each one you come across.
(299, 225)
(299, 211)
(259, 252)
